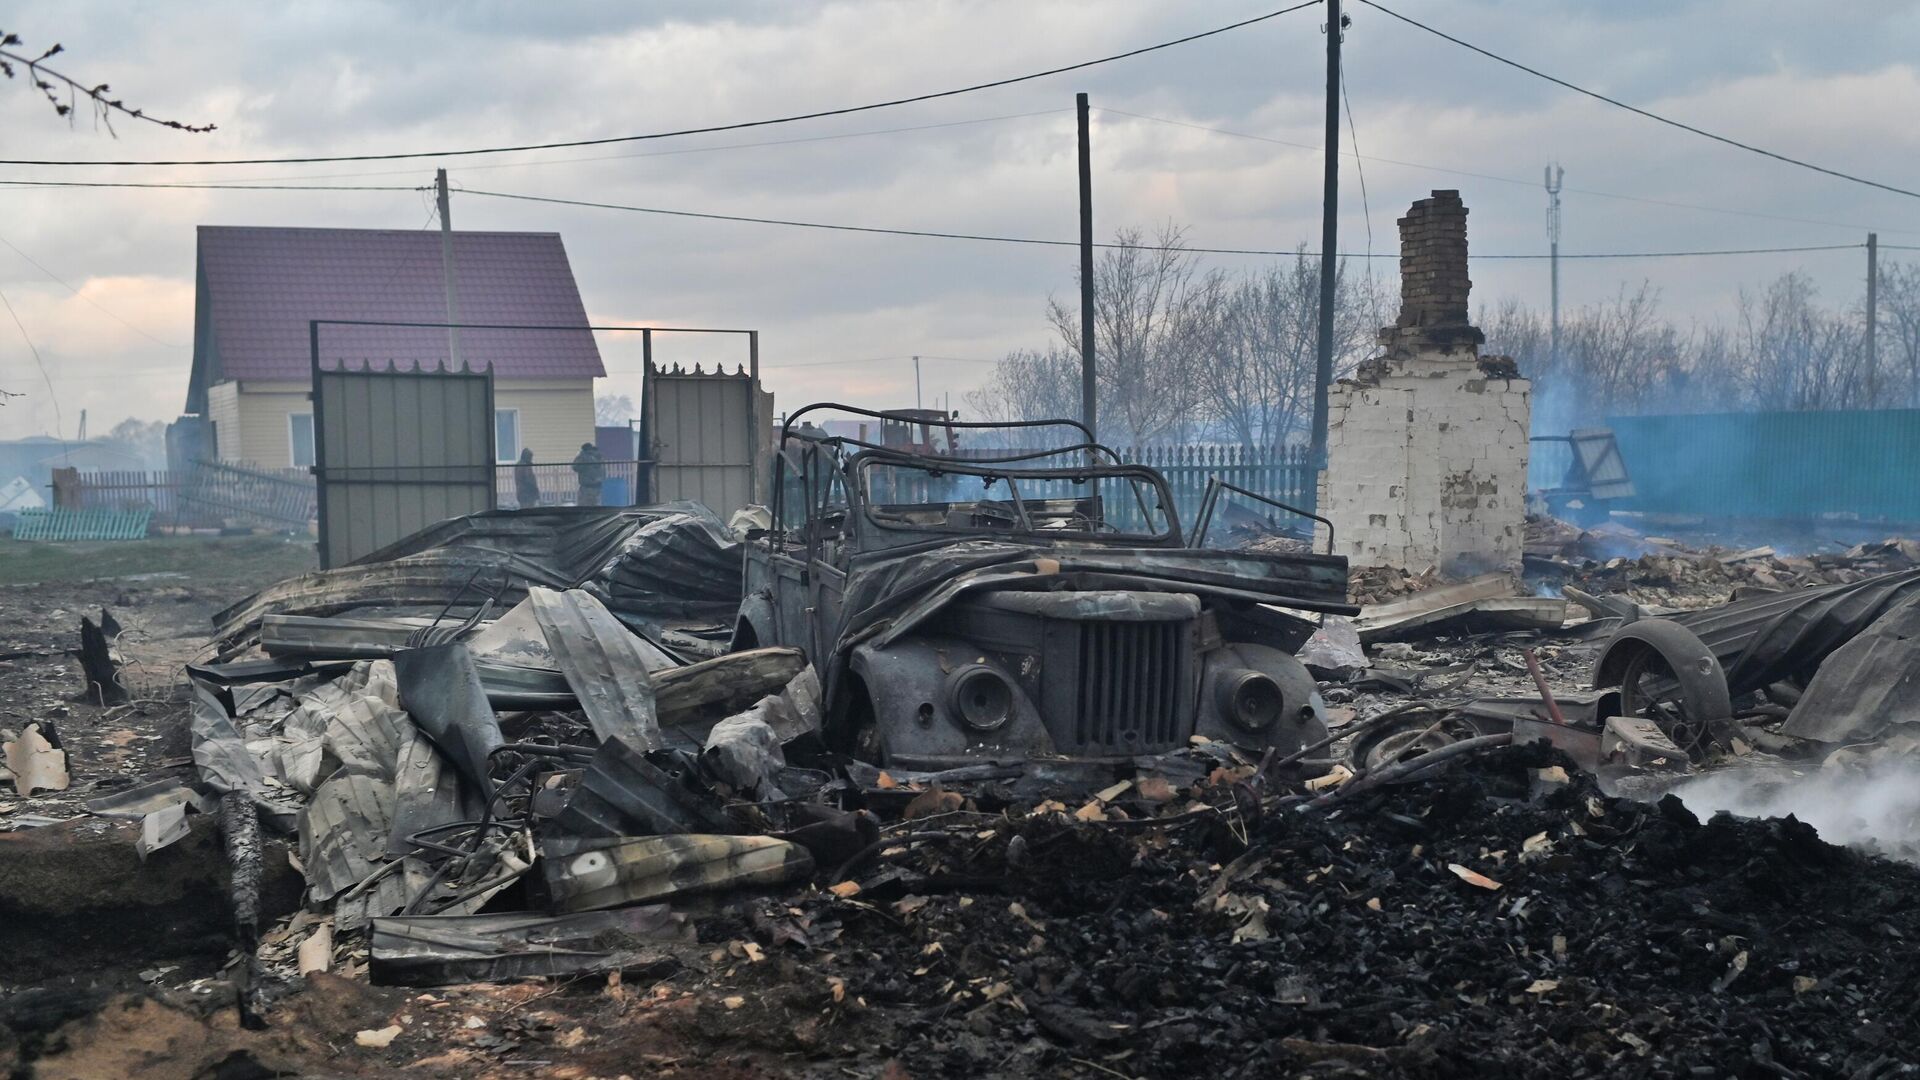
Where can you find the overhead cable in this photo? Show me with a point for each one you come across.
(820, 114)
(994, 239)
(1617, 103)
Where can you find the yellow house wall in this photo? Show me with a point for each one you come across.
(556, 416)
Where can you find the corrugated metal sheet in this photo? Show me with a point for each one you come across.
(1856, 463)
(703, 437)
(398, 451)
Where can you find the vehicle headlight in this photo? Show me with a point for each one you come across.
(981, 697)
(1248, 698)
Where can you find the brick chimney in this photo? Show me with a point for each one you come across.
(1433, 279)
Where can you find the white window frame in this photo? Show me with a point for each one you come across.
(507, 455)
(293, 444)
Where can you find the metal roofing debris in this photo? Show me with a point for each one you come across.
(81, 524)
(440, 688)
(506, 551)
(604, 662)
(622, 793)
(439, 950)
(1483, 603)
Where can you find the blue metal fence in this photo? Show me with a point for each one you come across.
(1854, 464)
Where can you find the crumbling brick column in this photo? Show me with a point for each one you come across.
(1427, 442)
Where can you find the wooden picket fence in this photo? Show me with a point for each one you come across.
(210, 495)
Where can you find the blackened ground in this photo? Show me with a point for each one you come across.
(1633, 940)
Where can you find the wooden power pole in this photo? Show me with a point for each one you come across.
(1088, 405)
(1329, 239)
(446, 268)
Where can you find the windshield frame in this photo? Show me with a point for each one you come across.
(858, 468)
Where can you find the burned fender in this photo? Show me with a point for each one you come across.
(1257, 696)
(1668, 675)
(936, 701)
(753, 627)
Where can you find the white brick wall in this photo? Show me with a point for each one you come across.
(1428, 467)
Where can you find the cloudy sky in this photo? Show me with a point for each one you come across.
(840, 312)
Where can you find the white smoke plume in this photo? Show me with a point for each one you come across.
(1873, 806)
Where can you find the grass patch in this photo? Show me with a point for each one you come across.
(203, 561)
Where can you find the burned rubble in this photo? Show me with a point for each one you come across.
(531, 793)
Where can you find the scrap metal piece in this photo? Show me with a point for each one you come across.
(624, 794)
(440, 950)
(582, 875)
(606, 664)
(36, 762)
(165, 826)
(440, 688)
(153, 796)
(343, 832)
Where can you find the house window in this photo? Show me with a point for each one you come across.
(506, 434)
(300, 439)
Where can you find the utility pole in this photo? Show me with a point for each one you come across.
(446, 268)
(1088, 410)
(1873, 319)
(1554, 175)
(917, 403)
(1329, 237)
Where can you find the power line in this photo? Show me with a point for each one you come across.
(759, 144)
(109, 312)
(989, 238)
(1511, 180)
(41, 364)
(1597, 96)
(700, 130)
(203, 187)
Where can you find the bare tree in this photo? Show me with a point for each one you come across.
(1899, 334)
(1259, 367)
(1150, 314)
(64, 92)
(1799, 356)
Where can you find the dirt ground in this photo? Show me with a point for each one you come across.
(163, 592)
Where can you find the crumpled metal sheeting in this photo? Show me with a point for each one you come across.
(427, 794)
(354, 722)
(687, 556)
(624, 794)
(606, 664)
(344, 830)
(1762, 640)
(223, 758)
(1867, 684)
(440, 688)
(429, 579)
(439, 950)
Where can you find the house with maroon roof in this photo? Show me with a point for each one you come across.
(257, 290)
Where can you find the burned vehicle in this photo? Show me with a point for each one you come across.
(1023, 605)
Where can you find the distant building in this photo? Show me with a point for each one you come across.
(257, 289)
(35, 457)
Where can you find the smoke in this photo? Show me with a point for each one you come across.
(1874, 807)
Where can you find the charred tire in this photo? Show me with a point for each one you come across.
(1416, 734)
(1668, 675)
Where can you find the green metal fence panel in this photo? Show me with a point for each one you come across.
(1855, 464)
(81, 524)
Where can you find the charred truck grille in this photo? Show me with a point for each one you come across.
(1132, 686)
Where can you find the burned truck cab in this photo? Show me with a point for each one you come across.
(1016, 605)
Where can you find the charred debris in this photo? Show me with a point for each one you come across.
(939, 768)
